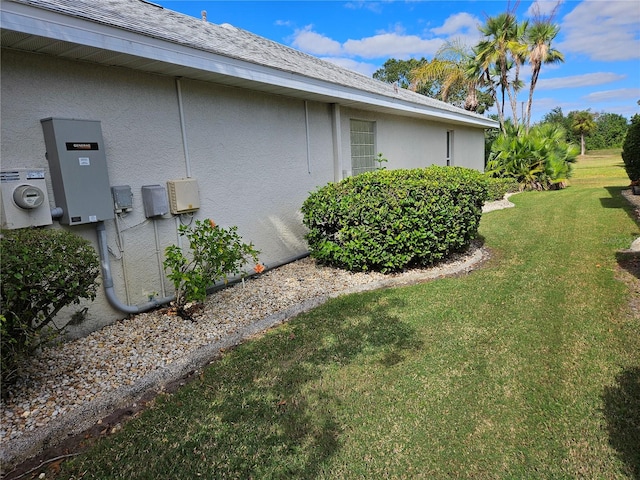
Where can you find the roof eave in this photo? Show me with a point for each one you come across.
(161, 56)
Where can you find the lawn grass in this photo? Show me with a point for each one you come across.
(527, 368)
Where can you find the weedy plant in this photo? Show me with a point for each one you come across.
(380, 159)
(215, 253)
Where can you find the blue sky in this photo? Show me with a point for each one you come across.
(600, 39)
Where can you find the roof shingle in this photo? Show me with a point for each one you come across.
(145, 18)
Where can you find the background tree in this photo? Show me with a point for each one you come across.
(454, 68)
(539, 37)
(399, 72)
(583, 124)
(610, 131)
(487, 74)
(554, 116)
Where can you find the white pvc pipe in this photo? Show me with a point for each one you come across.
(183, 128)
(306, 125)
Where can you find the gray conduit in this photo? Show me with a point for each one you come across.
(107, 280)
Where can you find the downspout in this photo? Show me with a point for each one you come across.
(183, 128)
(336, 134)
(306, 126)
(107, 280)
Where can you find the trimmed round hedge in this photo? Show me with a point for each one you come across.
(631, 150)
(389, 220)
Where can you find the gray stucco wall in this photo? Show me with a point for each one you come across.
(247, 150)
(411, 143)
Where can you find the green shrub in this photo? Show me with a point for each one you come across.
(499, 187)
(43, 270)
(388, 220)
(538, 160)
(215, 253)
(631, 150)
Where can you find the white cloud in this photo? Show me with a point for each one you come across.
(381, 45)
(315, 43)
(605, 30)
(460, 27)
(460, 23)
(613, 95)
(361, 67)
(575, 81)
(391, 45)
(396, 44)
(542, 7)
(375, 7)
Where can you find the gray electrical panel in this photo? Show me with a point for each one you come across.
(78, 166)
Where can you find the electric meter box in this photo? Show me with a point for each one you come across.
(23, 198)
(183, 195)
(78, 166)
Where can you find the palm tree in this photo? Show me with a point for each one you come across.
(583, 124)
(497, 55)
(539, 36)
(538, 160)
(452, 66)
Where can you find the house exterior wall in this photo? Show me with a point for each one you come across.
(255, 157)
(411, 143)
(468, 147)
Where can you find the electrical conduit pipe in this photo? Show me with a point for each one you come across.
(107, 280)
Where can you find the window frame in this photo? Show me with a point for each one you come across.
(449, 150)
(364, 148)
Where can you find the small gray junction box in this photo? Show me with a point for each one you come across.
(154, 200)
(78, 166)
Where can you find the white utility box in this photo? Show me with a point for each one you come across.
(183, 195)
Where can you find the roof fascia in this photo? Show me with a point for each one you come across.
(57, 26)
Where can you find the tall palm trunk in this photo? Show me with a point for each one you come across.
(534, 79)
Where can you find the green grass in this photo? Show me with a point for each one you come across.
(527, 368)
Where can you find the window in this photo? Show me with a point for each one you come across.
(363, 148)
(449, 148)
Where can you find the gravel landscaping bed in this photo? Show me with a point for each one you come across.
(69, 387)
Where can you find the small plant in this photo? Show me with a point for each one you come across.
(43, 270)
(381, 159)
(215, 253)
